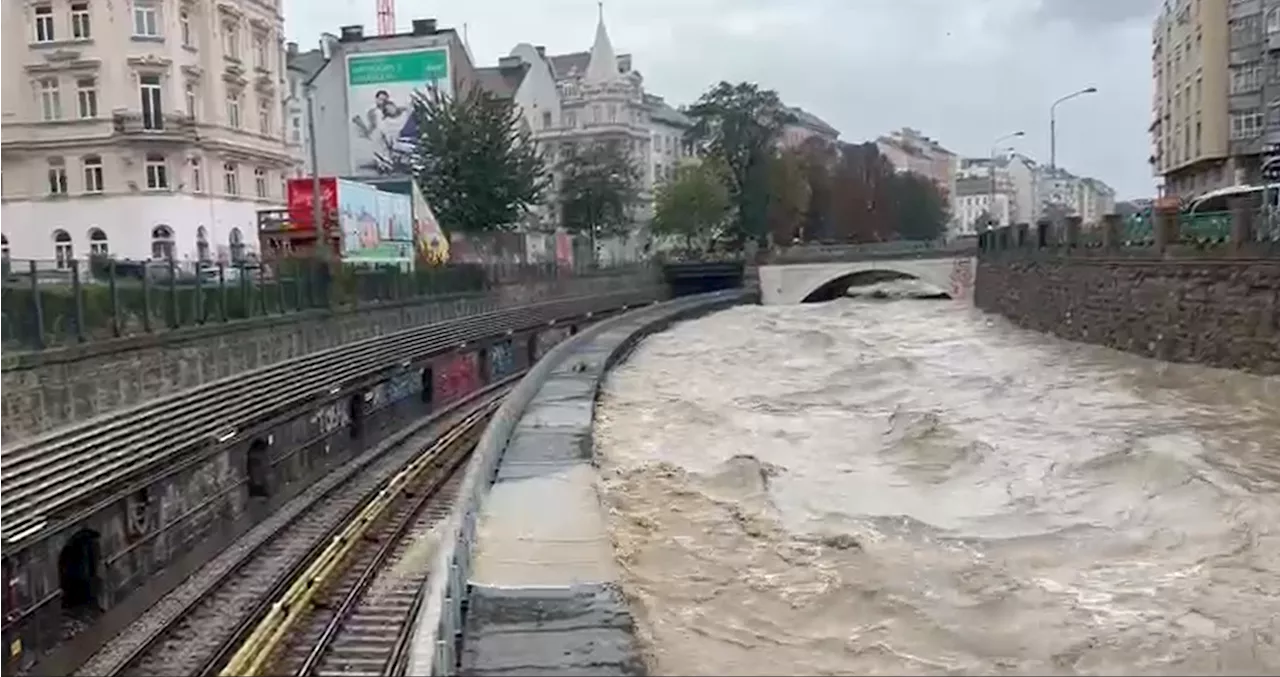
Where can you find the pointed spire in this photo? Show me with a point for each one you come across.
(603, 65)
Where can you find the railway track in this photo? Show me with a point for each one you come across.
(349, 613)
(194, 629)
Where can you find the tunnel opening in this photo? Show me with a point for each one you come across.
(839, 287)
(428, 385)
(573, 330)
(531, 348)
(258, 469)
(78, 577)
(355, 408)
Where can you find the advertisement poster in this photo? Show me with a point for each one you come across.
(301, 205)
(380, 91)
(433, 246)
(368, 216)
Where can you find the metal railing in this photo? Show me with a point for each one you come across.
(68, 301)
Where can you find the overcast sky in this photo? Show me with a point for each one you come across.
(962, 71)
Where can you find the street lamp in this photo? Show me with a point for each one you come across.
(1053, 124)
(991, 200)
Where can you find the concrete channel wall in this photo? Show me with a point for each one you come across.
(527, 545)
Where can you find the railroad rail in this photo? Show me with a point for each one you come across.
(348, 613)
(58, 479)
(194, 629)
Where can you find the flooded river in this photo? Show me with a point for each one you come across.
(909, 486)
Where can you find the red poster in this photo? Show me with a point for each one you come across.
(300, 205)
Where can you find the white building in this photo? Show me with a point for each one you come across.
(141, 129)
(1060, 191)
(1015, 177)
(976, 204)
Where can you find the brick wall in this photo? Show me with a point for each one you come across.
(45, 390)
(1222, 311)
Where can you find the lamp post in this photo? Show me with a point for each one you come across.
(1053, 123)
(991, 201)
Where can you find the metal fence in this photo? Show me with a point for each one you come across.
(56, 303)
(1202, 228)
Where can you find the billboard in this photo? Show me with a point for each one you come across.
(380, 91)
(300, 201)
(371, 219)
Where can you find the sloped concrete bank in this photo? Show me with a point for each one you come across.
(528, 548)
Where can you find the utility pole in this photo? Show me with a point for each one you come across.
(1053, 123)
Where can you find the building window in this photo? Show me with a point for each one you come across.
(162, 242)
(50, 100)
(231, 178)
(184, 27)
(157, 172)
(98, 243)
(57, 176)
(202, 245)
(93, 182)
(297, 129)
(80, 20)
(264, 115)
(236, 241)
(231, 39)
(44, 23)
(152, 113)
(4, 253)
(87, 98)
(233, 110)
(1273, 20)
(546, 119)
(260, 52)
(146, 19)
(1246, 77)
(63, 253)
(1246, 125)
(260, 182)
(191, 100)
(197, 176)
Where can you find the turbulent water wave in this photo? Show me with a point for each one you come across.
(894, 487)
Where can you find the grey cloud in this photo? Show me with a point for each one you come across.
(1088, 14)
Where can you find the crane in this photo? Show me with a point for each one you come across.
(386, 17)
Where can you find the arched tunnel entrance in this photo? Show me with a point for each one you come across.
(839, 287)
(78, 575)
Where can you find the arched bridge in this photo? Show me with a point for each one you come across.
(820, 272)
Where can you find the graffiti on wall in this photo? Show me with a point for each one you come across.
(391, 391)
(331, 417)
(962, 279)
(502, 361)
(456, 376)
(186, 511)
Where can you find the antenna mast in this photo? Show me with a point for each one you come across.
(386, 17)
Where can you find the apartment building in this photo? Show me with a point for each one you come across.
(804, 126)
(1014, 176)
(141, 128)
(1062, 193)
(910, 151)
(978, 207)
(1193, 127)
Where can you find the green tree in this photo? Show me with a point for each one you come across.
(789, 195)
(599, 186)
(741, 124)
(693, 205)
(920, 211)
(476, 161)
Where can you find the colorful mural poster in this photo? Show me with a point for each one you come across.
(433, 245)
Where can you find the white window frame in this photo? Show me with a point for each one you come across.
(63, 252)
(184, 27)
(81, 27)
(231, 40)
(87, 98)
(260, 52)
(233, 110)
(47, 90)
(57, 175)
(157, 172)
(146, 19)
(151, 101)
(192, 98)
(197, 176)
(42, 28)
(264, 116)
(231, 178)
(94, 178)
(99, 247)
(260, 182)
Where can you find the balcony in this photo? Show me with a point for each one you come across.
(169, 127)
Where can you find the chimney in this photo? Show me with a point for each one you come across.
(507, 63)
(424, 26)
(292, 48)
(352, 33)
(542, 51)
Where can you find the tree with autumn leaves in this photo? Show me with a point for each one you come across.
(817, 191)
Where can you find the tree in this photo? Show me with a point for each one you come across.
(599, 186)
(476, 161)
(861, 194)
(920, 212)
(789, 195)
(740, 124)
(694, 204)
